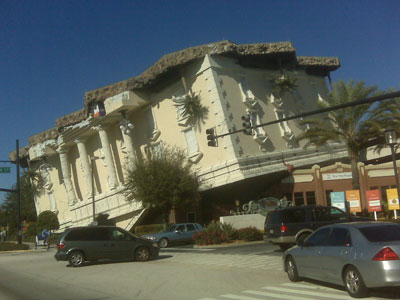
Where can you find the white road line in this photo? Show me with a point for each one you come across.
(309, 293)
(238, 297)
(279, 296)
(306, 286)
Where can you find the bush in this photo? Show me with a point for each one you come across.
(149, 229)
(47, 220)
(250, 234)
(5, 246)
(215, 233)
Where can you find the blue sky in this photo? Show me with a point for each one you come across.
(51, 52)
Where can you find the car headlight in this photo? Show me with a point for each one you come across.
(151, 238)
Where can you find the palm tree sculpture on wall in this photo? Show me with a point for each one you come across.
(354, 126)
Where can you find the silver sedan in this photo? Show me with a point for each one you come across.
(357, 255)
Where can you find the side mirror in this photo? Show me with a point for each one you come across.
(176, 231)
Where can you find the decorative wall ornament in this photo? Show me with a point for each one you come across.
(283, 84)
(189, 109)
(262, 206)
(277, 102)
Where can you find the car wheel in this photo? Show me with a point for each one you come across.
(354, 283)
(163, 243)
(142, 254)
(76, 259)
(291, 269)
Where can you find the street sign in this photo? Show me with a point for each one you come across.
(4, 169)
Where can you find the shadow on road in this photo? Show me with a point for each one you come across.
(384, 293)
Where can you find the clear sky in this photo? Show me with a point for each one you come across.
(51, 52)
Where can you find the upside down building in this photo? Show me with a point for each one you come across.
(85, 156)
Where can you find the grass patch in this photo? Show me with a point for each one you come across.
(7, 246)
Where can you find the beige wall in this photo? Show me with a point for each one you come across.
(216, 80)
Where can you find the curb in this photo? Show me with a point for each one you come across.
(228, 245)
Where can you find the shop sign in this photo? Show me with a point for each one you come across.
(337, 176)
(374, 200)
(337, 200)
(353, 198)
(393, 199)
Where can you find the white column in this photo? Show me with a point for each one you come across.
(66, 172)
(48, 185)
(105, 145)
(127, 149)
(85, 165)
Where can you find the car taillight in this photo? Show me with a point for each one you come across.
(60, 245)
(284, 228)
(386, 254)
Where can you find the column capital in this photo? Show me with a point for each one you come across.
(80, 140)
(62, 149)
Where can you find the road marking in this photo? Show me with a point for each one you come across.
(306, 286)
(238, 297)
(308, 293)
(279, 296)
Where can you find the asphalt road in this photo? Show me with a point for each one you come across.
(246, 272)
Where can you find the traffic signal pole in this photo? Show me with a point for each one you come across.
(18, 196)
(18, 191)
(320, 111)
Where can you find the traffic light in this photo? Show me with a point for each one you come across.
(211, 137)
(247, 125)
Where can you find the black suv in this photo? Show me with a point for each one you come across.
(286, 226)
(92, 243)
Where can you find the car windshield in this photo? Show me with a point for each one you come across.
(381, 233)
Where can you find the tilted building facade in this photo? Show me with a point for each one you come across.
(127, 120)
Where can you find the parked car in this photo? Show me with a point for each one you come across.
(92, 243)
(175, 234)
(358, 255)
(286, 226)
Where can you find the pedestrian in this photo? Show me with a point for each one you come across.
(1, 235)
(45, 235)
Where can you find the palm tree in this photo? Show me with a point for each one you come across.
(388, 116)
(352, 126)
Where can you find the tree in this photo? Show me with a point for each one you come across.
(164, 180)
(47, 220)
(354, 126)
(9, 208)
(387, 116)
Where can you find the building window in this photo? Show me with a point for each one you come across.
(328, 197)
(191, 141)
(299, 198)
(284, 125)
(310, 198)
(150, 124)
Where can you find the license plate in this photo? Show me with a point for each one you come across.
(271, 231)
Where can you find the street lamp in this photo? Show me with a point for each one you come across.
(391, 140)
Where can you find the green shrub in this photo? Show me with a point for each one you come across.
(250, 234)
(148, 229)
(6, 246)
(47, 220)
(215, 233)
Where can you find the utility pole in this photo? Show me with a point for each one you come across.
(18, 197)
(17, 190)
